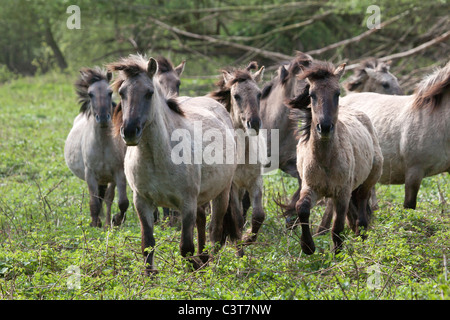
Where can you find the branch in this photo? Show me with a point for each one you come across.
(268, 54)
(409, 52)
(285, 28)
(358, 37)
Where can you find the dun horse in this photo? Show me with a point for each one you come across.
(373, 75)
(338, 155)
(413, 130)
(91, 152)
(169, 76)
(147, 123)
(276, 115)
(238, 91)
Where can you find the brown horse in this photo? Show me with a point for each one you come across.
(338, 155)
(414, 131)
(238, 91)
(152, 126)
(373, 75)
(91, 152)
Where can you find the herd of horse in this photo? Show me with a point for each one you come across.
(336, 148)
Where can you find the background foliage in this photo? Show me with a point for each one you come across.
(44, 212)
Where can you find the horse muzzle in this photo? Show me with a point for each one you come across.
(131, 135)
(253, 125)
(103, 120)
(325, 129)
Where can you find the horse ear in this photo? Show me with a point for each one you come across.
(370, 72)
(109, 76)
(227, 76)
(352, 83)
(283, 72)
(179, 70)
(340, 70)
(152, 67)
(259, 74)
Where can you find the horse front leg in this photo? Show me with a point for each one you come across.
(109, 198)
(327, 217)
(95, 203)
(189, 218)
(341, 204)
(258, 214)
(303, 207)
(121, 183)
(145, 209)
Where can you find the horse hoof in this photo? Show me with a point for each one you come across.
(308, 249)
(118, 220)
(97, 224)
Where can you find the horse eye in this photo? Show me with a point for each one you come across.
(91, 95)
(149, 95)
(385, 85)
(313, 95)
(237, 97)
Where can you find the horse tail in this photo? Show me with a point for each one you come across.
(233, 221)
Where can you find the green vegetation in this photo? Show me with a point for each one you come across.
(45, 233)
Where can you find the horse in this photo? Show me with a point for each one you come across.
(152, 126)
(413, 130)
(373, 75)
(338, 154)
(169, 78)
(169, 75)
(275, 114)
(91, 152)
(238, 91)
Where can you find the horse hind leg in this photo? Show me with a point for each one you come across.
(201, 232)
(226, 218)
(413, 180)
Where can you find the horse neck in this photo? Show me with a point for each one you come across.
(100, 136)
(323, 150)
(156, 134)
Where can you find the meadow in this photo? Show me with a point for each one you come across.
(48, 250)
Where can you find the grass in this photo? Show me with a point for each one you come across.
(45, 235)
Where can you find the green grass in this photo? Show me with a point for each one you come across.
(45, 233)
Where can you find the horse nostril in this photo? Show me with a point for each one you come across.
(325, 128)
(108, 117)
(319, 128)
(138, 131)
(97, 118)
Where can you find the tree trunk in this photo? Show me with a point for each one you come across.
(54, 46)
